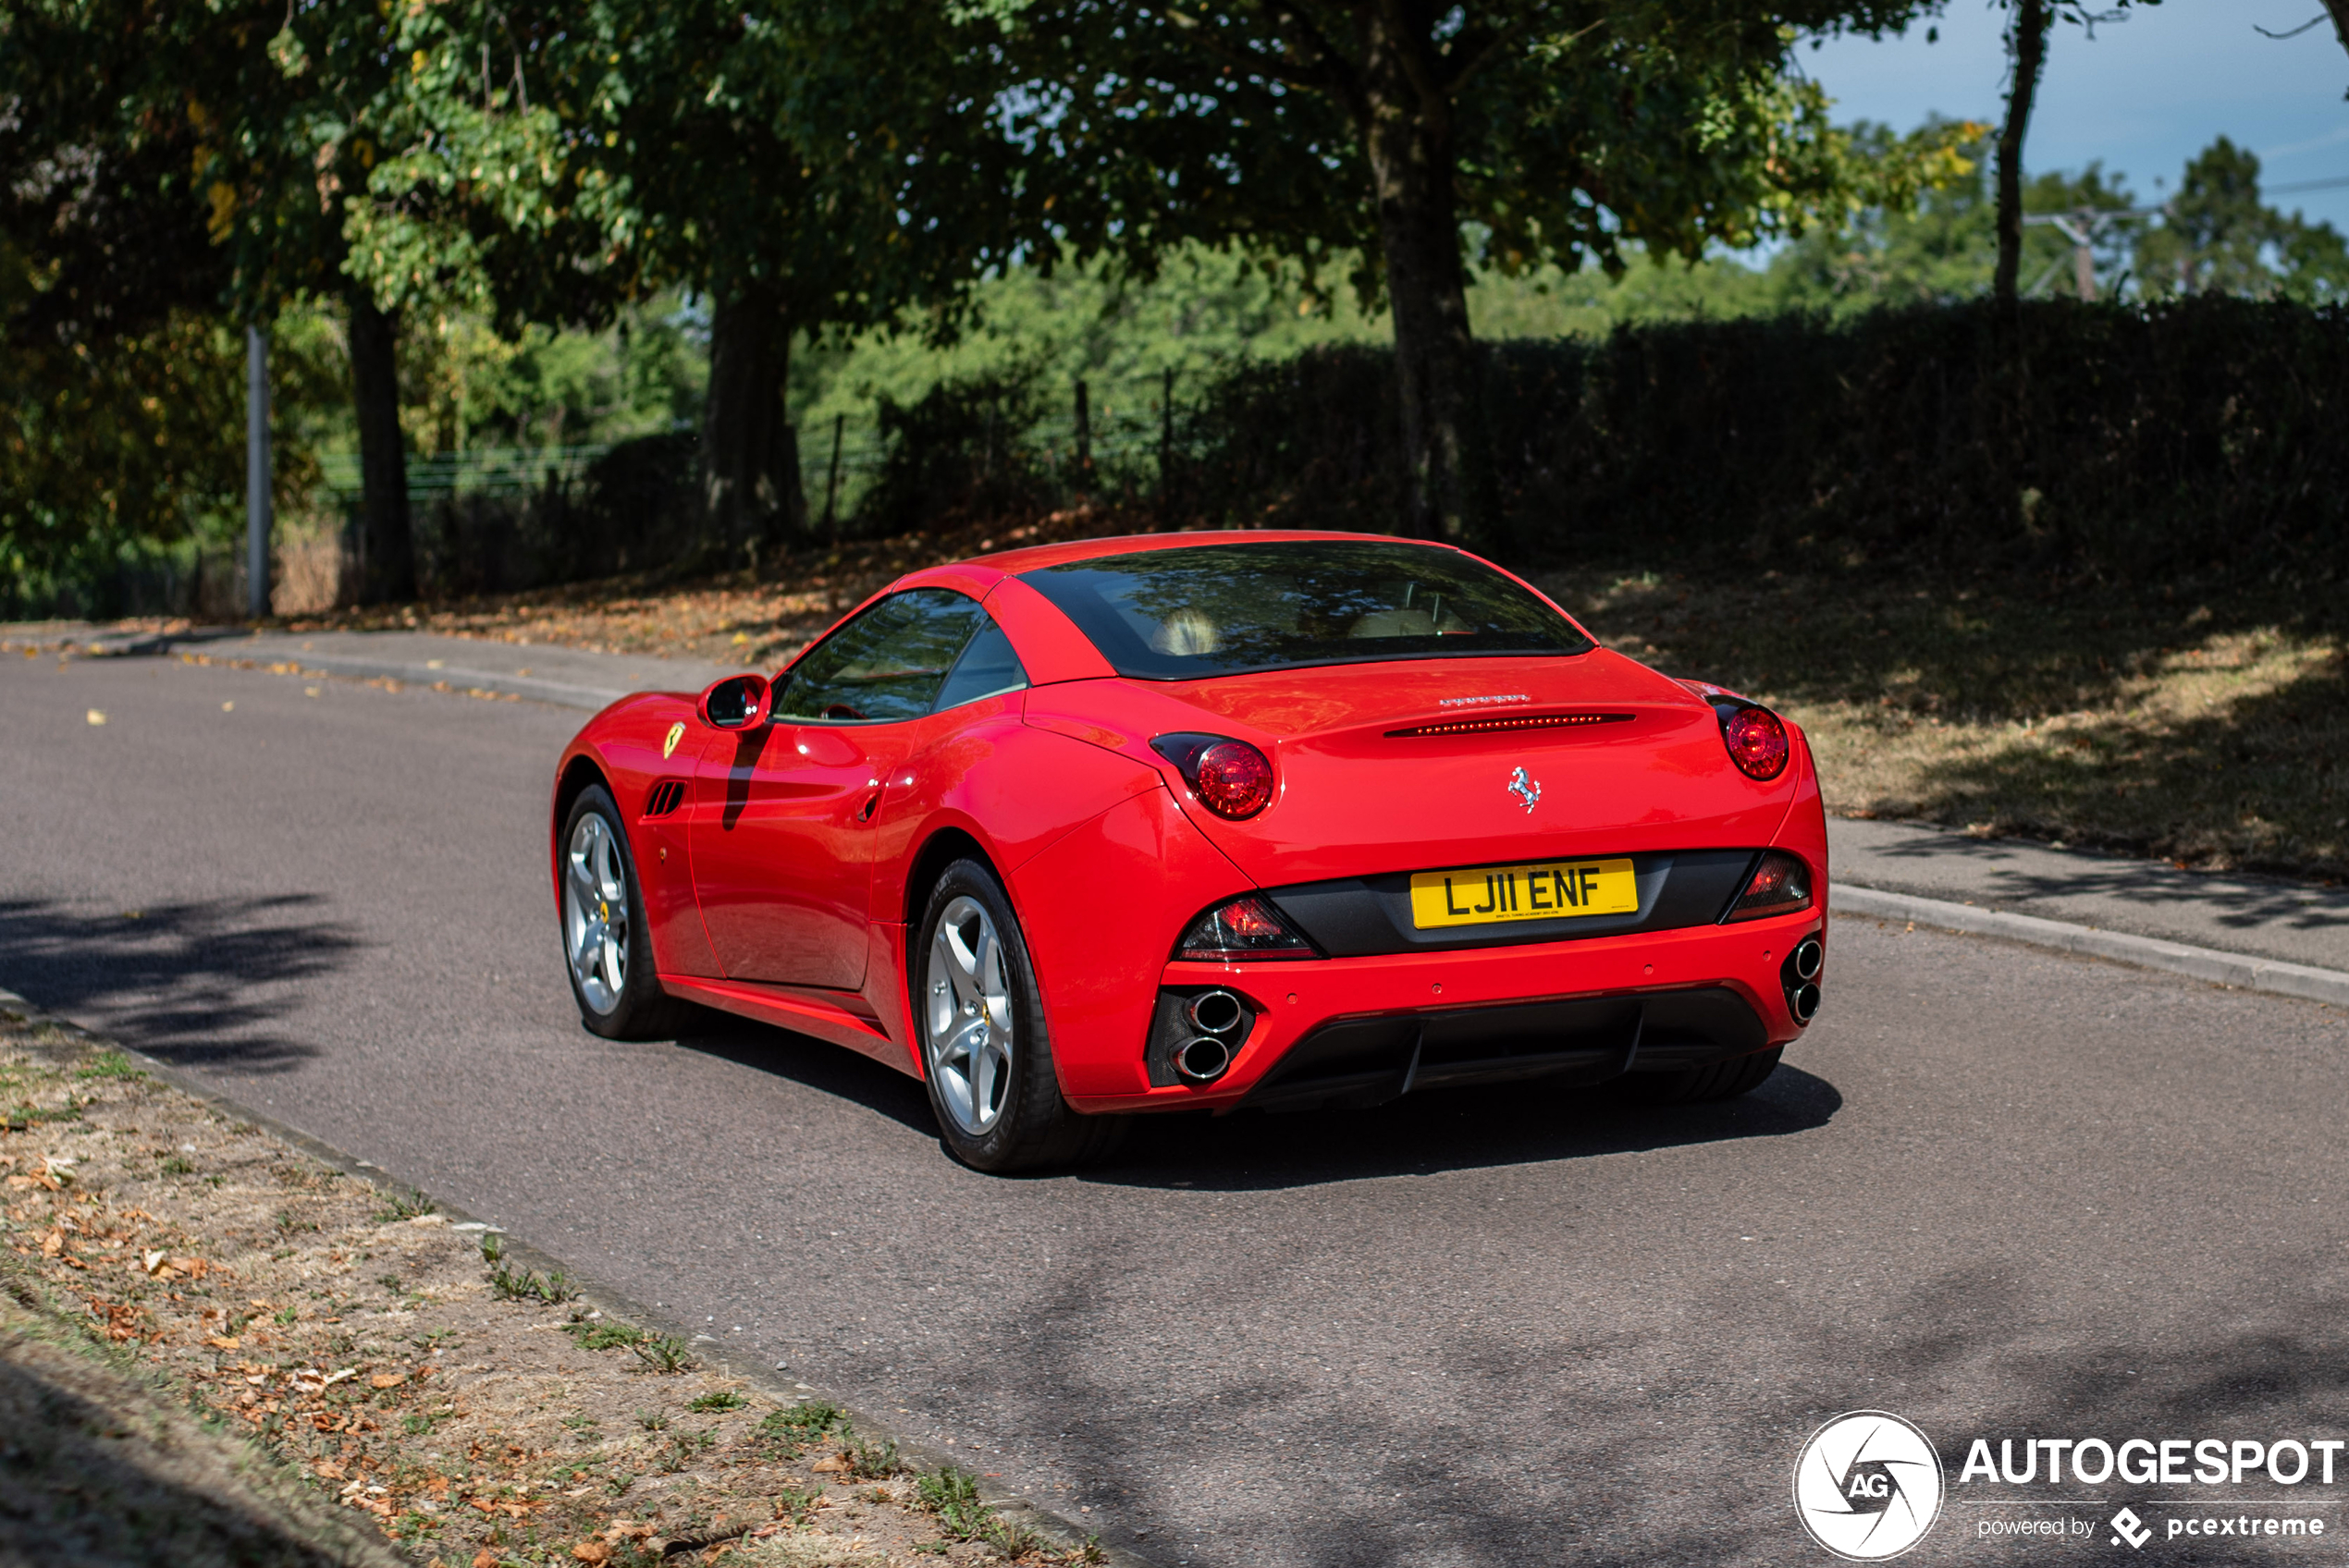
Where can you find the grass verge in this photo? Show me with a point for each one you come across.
(2210, 731)
(216, 1348)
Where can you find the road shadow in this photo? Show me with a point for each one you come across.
(1434, 1130)
(817, 1064)
(2239, 903)
(1534, 1455)
(1447, 1129)
(196, 983)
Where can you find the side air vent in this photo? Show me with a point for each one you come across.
(666, 797)
(1493, 722)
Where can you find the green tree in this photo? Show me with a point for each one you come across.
(290, 102)
(2217, 237)
(824, 166)
(114, 389)
(1549, 131)
(2026, 60)
(1945, 247)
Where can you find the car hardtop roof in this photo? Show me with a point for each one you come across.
(1035, 556)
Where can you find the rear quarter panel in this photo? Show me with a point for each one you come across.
(1055, 815)
(1103, 907)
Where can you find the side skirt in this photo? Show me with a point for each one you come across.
(836, 1017)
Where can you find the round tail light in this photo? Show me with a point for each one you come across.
(1757, 743)
(1233, 779)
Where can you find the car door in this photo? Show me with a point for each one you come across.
(783, 817)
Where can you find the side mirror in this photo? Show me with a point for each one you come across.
(738, 701)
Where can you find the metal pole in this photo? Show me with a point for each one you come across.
(1166, 441)
(831, 481)
(256, 472)
(1084, 433)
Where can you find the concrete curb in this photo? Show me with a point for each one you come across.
(1058, 1528)
(2242, 971)
(592, 699)
(232, 645)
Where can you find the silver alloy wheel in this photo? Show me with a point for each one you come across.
(967, 1006)
(595, 912)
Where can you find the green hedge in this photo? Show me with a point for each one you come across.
(2109, 441)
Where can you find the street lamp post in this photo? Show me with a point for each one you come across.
(256, 472)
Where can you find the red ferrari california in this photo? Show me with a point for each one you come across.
(1221, 821)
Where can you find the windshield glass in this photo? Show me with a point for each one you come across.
(1219, 609)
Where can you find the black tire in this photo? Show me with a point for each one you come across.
(596, 861)
(1721, 1081)
(987, 1053)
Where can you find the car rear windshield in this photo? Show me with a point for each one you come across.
(1222, 609)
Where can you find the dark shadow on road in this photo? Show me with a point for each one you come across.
(196, 983)
(1448, 1130)
(1453, 1128)
(2238, 901)
(819, 1064)
(1688, 1467)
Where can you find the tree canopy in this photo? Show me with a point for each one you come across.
(1552, 131)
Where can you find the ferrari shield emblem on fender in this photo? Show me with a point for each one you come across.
(677, 734)
(1524, 789)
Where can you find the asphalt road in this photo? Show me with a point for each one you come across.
(1999, 1191)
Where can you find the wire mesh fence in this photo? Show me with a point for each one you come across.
(1116, 427)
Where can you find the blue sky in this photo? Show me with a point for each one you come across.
(2143, 96)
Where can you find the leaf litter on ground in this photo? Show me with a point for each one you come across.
(354, 1390)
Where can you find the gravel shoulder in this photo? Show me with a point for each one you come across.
(214, 1347)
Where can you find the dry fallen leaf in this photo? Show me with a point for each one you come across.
(591, 1551)
(387, 1379)
(223, 1342)
(97, 716)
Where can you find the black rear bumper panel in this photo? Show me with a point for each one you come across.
(1355, 1063)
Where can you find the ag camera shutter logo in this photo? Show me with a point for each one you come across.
(1868, 1486)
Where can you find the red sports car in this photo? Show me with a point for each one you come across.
(1263, 820)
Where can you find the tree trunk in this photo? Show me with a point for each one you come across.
(386, 570)
(2026, 46)
(750, 496)
(2340, 10)
(1407, 129)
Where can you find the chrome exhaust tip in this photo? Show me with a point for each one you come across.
(1202, 1060)
(1214, 1012)
(1804, 1002)
(1808, 957)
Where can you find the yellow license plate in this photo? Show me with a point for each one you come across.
(1543, 890)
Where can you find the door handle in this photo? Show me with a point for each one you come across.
(865, 812)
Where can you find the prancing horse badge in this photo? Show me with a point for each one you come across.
(1524, 789)
(677, 734)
